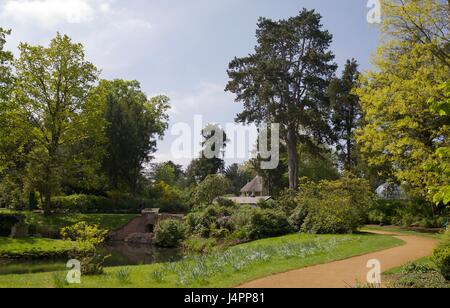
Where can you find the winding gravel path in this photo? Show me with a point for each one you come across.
(348, 272)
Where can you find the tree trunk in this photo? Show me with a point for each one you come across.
(47, 202)
(47, 189)
(292, 158)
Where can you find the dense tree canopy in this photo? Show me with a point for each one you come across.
(285, 81)
(65, 133)
(50, 106)
(440, 190)
(411, 66)
(134, 124)
(167, 172)
(6, 75)
(6, 85)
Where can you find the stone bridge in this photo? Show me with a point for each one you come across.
(141, 229)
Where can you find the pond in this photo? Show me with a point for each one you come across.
(122, 254)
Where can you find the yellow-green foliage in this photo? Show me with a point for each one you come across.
(441, 167)
(88, 237)
(332, 206)
(401, 128)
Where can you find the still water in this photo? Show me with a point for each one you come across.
(122, 254)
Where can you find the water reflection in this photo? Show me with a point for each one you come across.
(122, 254)
(137, 254)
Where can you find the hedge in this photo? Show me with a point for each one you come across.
(88, 204)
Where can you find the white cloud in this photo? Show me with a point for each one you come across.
(49, 12)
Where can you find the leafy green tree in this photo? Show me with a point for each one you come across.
(400, 129)
(134, 125)
(51, 108)
(177, 169)
(211, 188)
(347, 114)
(11, 167)
(439, 187)
(285, 80)
(6, 75)
(423, 22)
(163, 172)
(6, 84)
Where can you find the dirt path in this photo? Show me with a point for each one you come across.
(346, 273)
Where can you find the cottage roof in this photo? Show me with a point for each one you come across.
(256, 185)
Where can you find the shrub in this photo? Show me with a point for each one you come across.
(298, 217)
(429, 280)
(441, 256)
(287, 201)
(169, 233)
(205, 222)
(224, 202)
(333, 216)
(200, 245)
(88, 204)
(82, 204)
(88, 239)
(332, 206)
(383, 212)
(268, 223)
(406, 213)
(241, 221)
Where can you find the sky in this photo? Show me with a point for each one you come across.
(180, 48)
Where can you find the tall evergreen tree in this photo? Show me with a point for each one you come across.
(285, 80)
(347, 114)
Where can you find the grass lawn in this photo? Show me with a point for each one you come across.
(53, 224)
(34, 248)
(228, 268)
